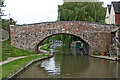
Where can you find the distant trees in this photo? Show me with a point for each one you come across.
(6, 23)
(66, 39)
(2, 2)
(82, 11)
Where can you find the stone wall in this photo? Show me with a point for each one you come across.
(27, 37)
(118, 42)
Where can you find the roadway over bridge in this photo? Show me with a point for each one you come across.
(95, 36)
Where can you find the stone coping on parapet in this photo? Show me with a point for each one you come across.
(105, 57)
(67, 21)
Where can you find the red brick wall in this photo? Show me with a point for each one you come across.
(117, 19)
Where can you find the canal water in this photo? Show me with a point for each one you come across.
(72, 63)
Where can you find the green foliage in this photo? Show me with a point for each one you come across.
(66, 39)
(4, 57)
(10, 51)
(14, 66)
(82, 11)
(1, 2)
(12, 22)
(46, 47)
(6, 24)
(47, 40)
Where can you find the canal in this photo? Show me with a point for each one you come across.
(72, 63)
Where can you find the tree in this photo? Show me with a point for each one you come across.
(5, 22)
(82, 11)
(66, 39)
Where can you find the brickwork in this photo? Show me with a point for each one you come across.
(28, 37)
(117, 19)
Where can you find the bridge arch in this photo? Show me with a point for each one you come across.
(27, 37)
(82, 40)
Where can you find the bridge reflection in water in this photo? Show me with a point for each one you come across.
(67, 63)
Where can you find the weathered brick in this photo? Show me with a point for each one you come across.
(28, 37)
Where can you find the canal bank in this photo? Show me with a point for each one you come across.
(20, 71)
(21, 65)
(13, 59)
(14, 67)
(105, 57)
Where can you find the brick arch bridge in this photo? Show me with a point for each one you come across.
(27, 37)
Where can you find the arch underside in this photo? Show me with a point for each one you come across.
(82, 40)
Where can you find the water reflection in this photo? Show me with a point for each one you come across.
(72, 64)
(51, 66)
(77, 52)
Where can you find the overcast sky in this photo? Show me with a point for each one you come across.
(34, 11)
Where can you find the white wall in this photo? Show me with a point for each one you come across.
(112, 15)
(107, 18)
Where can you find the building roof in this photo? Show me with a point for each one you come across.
(116, 5)
(109, 8)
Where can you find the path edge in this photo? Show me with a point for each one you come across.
(22, 69)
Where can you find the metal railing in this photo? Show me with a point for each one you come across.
(116, 41)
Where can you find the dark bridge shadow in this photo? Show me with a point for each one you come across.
(86, 45)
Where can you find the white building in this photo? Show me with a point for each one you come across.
(113, 13)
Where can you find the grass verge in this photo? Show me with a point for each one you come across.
(12, 67)
(46, 47)
(10, 51)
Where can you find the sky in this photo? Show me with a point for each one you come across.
(35, 11)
